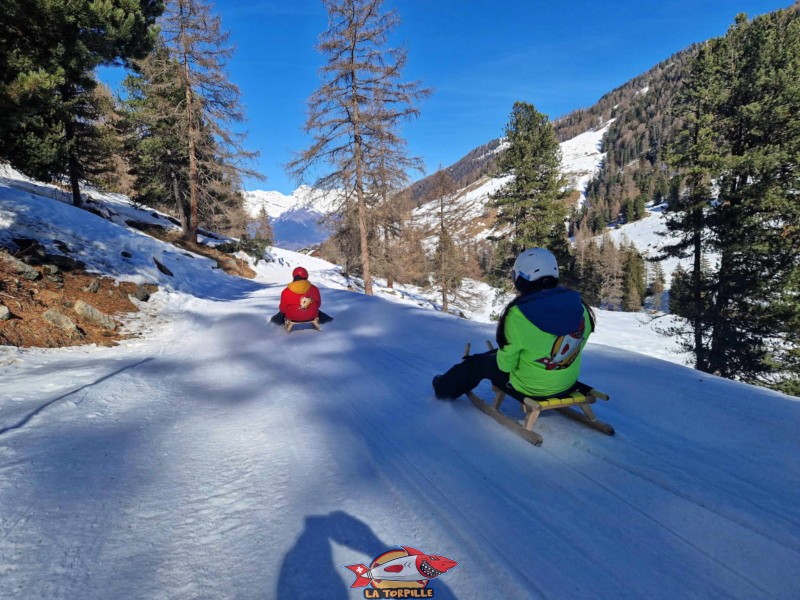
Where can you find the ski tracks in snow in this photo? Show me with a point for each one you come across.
(420, 511)
(224, 458)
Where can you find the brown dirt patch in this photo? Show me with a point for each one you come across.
(230, 264)
(29, 300)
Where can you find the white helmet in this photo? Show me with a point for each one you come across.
(535, 263)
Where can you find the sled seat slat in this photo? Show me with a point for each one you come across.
(573, 398)
(288, 324)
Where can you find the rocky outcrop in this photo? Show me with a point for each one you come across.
(163, 268)
(93, 287)
(33, 253)
(141, 293)
(60, 320)
(90, 312)
(19, 267)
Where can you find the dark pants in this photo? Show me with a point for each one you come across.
(467, 374)
(280, 318)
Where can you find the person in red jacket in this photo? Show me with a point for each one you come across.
(300, 301)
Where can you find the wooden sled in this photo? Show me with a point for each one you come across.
(581, 396)
(288, 324)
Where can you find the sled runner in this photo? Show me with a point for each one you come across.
(580, 395)
(288, 324)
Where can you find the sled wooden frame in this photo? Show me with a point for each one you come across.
(288, 324)
(581, 396)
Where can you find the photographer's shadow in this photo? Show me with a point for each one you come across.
(309, 570)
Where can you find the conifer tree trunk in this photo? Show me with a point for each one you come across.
(359, 168)
(73, 166)
(364, 237)
(190, 234)
(387, 258)
(698, 317)
(442, 254)
(193, 191)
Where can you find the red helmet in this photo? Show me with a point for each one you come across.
(300, 272)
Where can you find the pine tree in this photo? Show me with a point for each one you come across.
(51, 49)
(756, 316)
(113, 170)
(448, 259)
(656, 289)
(410, 256)
(680, 292)
(630, 210)
(389, 173)
(189, 88)
(639, 208)
(99, 139)
(611, 269)
(697, 154)
(588, 275)
(355, 114)
(531, 210)
(404, 259)
(634, 280)
(157, 144)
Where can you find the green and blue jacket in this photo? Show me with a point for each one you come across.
(541, 339)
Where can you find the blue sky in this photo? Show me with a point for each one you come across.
(479, 56)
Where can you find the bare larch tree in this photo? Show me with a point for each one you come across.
(354, 115)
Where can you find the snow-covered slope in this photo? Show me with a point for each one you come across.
(649, 236)
(296, 219)
(219, 457)
(581, 157)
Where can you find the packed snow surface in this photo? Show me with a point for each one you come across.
(217, 456)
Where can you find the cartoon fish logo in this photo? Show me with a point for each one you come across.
(410, 568)
(565, 350)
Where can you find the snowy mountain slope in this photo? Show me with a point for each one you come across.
(296, 219)
(219, 457)
(649, 236)
(100, 242)
(276, 203)
(581, 157)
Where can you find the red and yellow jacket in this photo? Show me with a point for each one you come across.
(300, 301)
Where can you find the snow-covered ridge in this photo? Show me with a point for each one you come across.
(276, 203)
(297, 219)
(581, 157)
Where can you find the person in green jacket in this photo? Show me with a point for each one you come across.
(540, 337)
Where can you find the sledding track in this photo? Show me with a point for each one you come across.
(228, 458)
